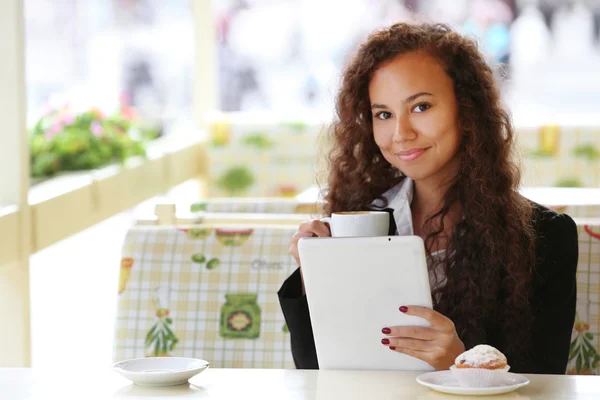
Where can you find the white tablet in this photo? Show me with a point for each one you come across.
(354, 288)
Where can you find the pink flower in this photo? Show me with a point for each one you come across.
(54, 129)
(68, 119)
(96, 128)
(128, 113)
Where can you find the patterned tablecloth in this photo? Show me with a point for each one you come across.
(210, 291)
(257, 158)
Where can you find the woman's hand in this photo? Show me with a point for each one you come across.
(308, 229)
(437, 345)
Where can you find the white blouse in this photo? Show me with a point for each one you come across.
(399, 199)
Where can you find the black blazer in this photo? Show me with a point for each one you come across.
(553, 305)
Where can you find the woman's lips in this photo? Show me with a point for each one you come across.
(410, 155)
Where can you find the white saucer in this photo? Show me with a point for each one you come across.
(444, 382)
(160, 371)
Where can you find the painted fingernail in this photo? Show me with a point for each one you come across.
(386, 331)
(385, 341)
(392, 348)
(403, 309)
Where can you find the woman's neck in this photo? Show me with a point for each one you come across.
(429, 195)
(428, 199)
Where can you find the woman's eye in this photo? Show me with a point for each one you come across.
(419, 108)
(383, 115)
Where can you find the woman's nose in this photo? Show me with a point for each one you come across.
(403, 130)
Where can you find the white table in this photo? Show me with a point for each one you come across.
(246, 384)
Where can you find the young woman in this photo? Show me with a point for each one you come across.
(421, 132)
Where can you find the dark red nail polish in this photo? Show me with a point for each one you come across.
(403, 309)
(385, 341)
(392, 348)
(386, 331)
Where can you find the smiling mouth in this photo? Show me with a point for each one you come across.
(411, 154)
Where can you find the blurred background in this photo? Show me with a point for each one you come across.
(215, 109)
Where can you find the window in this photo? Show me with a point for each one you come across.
(106, 53)
(287, 55)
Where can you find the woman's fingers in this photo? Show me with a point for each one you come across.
(316, 227)
(416, 332)
(307, 229)
(408, 343)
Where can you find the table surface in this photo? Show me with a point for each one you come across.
(34, 384)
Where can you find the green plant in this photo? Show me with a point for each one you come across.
(258, 140)
(540, 153)
(235, 180)
(199, 206)
(64, 141)
(569, 182)
(587, 151)
(297, 127)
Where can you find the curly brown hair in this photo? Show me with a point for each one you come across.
(490, 254)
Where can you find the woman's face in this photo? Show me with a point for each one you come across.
(415, 116)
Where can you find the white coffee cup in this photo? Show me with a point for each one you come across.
(358, 223)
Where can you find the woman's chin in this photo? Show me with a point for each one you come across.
(415, 174)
